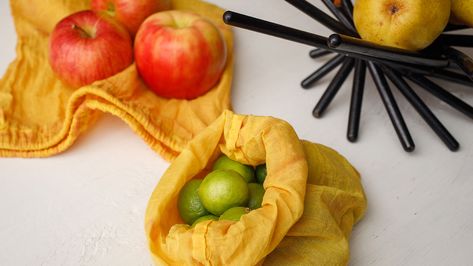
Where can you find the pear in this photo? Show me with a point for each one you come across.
(406, 24)
(462, 12)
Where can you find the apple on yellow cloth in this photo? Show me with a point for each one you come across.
(179, 54)
(407, 24)
(88, 46)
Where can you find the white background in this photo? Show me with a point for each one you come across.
(86, 206)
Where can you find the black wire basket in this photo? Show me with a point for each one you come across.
(440, 60)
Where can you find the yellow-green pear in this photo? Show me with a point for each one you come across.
(407, 24)
(462, 12)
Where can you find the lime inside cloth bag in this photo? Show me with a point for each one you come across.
(40, 116)
(282, 231)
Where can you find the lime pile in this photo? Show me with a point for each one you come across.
(231, 190)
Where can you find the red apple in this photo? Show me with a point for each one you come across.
(131, 13)
(179, 54)
(88, 46)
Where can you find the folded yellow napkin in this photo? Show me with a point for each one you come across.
(40, 116)
(313, 198)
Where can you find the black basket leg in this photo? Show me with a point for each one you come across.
(356, 100)
(333, 87)
(392, 108)
(422, 109)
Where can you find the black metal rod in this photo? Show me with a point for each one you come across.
(452, 27)
(408, 69)
(333, 88)
(273, 29)
(391, 107)
(359, 46)
(461, 40)
(422, 109)
(356, 101)
(442, 94)
(347, 6)
(451, 76)
(461, 59)
(319, 15)
(341, 17)
(322, 71)
(318, 52)
(439, 73)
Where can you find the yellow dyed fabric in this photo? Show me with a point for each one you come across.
(40, 116)
(313, 198)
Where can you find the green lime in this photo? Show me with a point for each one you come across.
(261, 173)
(205, 218)
(222, 190)
(189, 204)
(234, 214)
(256, 195)
(225, 163)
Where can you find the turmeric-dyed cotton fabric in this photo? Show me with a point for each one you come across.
(41, 116)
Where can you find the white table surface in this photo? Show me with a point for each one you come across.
(86, 206)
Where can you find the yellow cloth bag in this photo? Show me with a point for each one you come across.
(334, 200)
(40, 116)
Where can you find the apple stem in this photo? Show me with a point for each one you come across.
(111, 9)
(83, 33)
